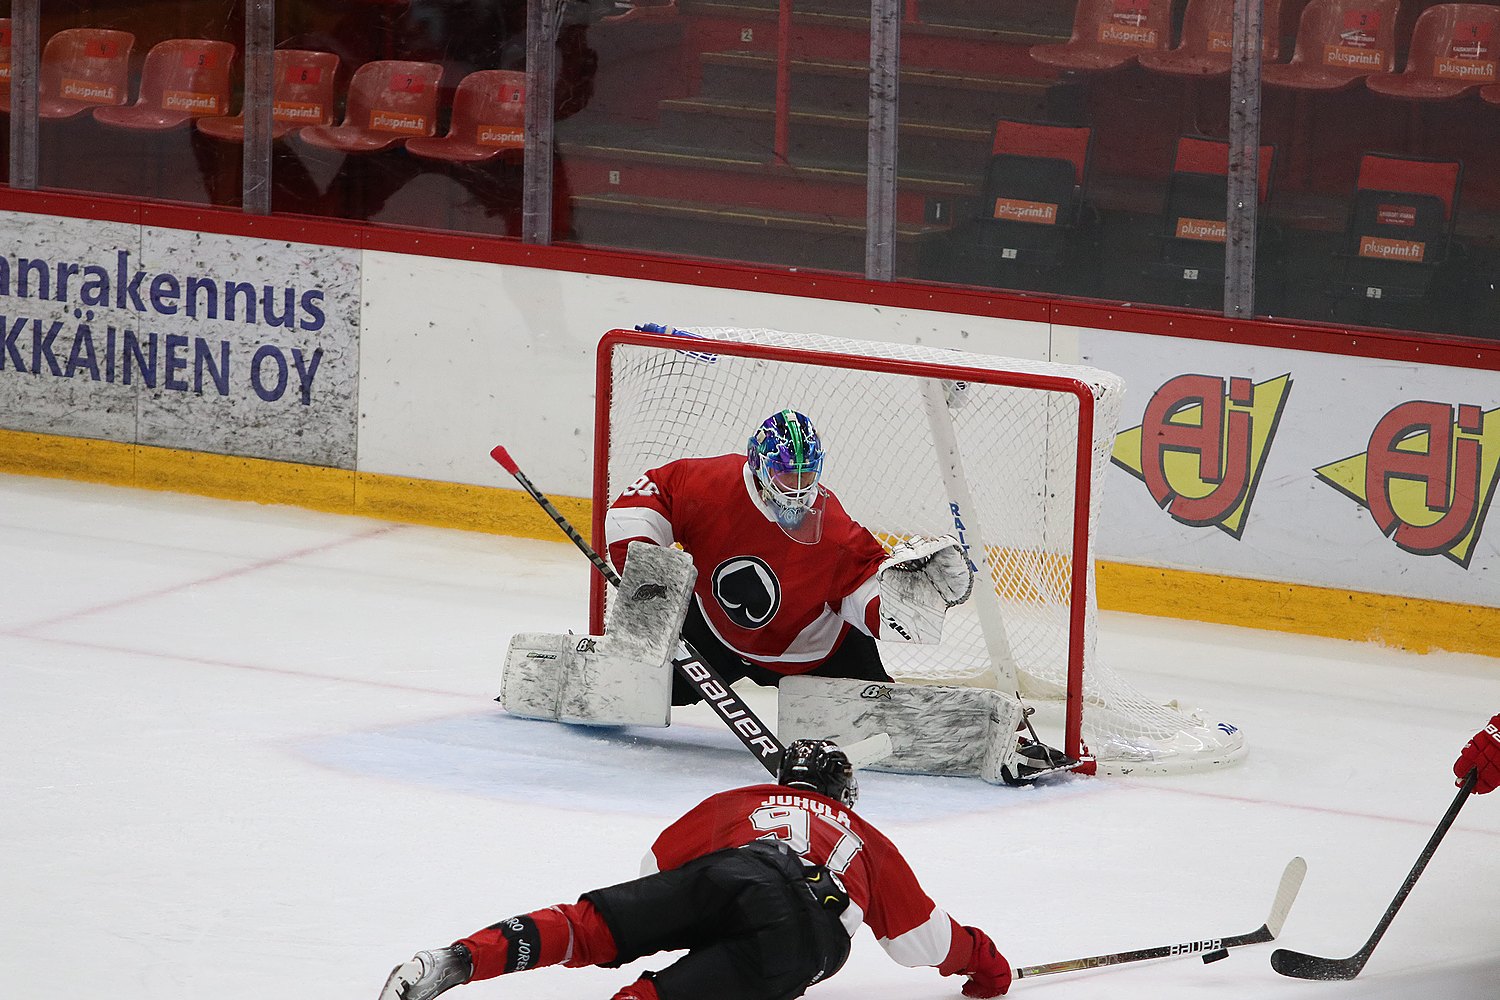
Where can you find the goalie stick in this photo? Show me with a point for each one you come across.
(744, 723)
(1212, 949)
(1302, 966)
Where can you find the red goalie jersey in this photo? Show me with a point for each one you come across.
(776, 602)
(883, 891)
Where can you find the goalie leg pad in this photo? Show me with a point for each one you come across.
(579, 678)
(622, 678)
(934, 729)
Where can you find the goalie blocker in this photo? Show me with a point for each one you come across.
(934, 729)
(621, 678)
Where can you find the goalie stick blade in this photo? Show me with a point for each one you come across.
(1301, 966)
(1211, 949)
(870, 750)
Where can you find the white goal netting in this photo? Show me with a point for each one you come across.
(926, 441)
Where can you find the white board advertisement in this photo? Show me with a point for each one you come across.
(208, 343)
(1355, 473)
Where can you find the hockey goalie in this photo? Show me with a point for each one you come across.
(753, 560)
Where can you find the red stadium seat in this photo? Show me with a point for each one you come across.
(1193, 226)
(1400, 228)
(1207, 40)
(1452, 52)
(489, 117)
(84, 68)
(389, 100)
(5, 61)
(303, 96)
(184, 78)
(1338, 43)
(1109, 34)
(1032, 225)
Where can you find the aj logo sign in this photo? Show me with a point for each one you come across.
(1202, 445)
(1428, 477)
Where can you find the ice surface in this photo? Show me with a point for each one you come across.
(251, 752)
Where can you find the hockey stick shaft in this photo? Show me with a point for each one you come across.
(1286, 894)
(744, 723)
(499, 454)
(1302, 966)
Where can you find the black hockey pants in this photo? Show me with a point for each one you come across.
(753, 926)
(857, 656)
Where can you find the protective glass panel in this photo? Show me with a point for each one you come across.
(122, 88)
(721, 131)
(1074, 147)
(1385, 213)
(401, 113)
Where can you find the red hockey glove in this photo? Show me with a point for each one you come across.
(988, 971)
(1483, 752)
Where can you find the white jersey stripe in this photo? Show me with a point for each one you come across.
(925, 944)
(623, 523)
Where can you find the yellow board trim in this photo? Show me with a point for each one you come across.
(1401, 622)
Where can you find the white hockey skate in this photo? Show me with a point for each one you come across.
(429, 973)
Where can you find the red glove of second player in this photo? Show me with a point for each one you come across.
(988, 971)
(1482, 752)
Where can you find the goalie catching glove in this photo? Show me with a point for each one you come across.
(921, 579)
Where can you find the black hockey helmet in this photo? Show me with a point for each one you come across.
(819, 765)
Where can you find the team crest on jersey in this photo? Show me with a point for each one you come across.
(747, 591)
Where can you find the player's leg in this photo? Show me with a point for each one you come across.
(857, 657)
(752, 929)
(719, 656)
(571, 934)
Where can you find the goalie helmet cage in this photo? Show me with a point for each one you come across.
(1007, 454)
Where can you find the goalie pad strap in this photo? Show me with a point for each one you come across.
(934, 729)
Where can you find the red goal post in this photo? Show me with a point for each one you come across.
(1008, 454)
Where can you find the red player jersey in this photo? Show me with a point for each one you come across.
(777, 602)
(883, 891)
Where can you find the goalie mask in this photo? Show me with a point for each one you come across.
(786, 458)
(819, 766)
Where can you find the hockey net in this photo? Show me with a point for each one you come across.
(1009, 454)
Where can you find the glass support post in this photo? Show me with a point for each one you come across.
(880, 192)
(260, 46)
(542, 23)
(1241, 212)
(25, 65)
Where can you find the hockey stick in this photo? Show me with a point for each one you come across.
(1211, 949)
(744, 723)
(1301, 966)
